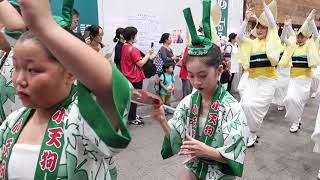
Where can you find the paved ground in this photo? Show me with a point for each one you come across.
(279, 155)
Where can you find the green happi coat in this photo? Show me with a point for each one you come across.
(87, 139)
(229, 138)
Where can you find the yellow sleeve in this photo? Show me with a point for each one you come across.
(244, 53)
(273, 46)
(313, 53)
(286, 59)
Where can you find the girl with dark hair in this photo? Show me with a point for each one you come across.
(61, 124)
(132, 67)
(200, 127)
(94, 39)
(119, 39)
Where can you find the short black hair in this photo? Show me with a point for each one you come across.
(167, 66)
(94, 30)
(232, 36)
(129, 33)
(164, 37)
(75, 12)
(213, 58)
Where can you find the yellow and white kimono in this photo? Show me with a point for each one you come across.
(288, 39)
(243, 83)
(302, 60)
(259, 58)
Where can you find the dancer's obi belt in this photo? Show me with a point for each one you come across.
(300, 67)
(260, 65)
(259, 60)
(300, 62)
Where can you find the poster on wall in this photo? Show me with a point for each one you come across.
(177, 36)
(88, 12)
(223, 26)
(148, 26)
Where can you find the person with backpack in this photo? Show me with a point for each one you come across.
(166, 83)
(232, 49)
(132, 67)
(225, 76)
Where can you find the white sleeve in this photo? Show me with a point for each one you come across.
(290, 31)
(313, 26)
(242, 30)
(270, 18)
(284, 36)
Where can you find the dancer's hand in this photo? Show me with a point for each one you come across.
(249, 13)
(312, 15)
(264, 3)
(194, 148)
(287, 21)
(36, 14)
(158, 113)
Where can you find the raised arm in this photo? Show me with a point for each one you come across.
(10, 17)
(4, 45)
(312, 23)
(291, 31)
(269, 15)
(283, 35)
(286, 31)
(243, 27)
(87, 65)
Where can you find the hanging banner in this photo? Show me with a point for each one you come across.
(88, 12)
(223, 27)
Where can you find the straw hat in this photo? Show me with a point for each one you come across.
(263, 17)
(305, 29)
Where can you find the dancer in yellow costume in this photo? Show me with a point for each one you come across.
(283, 72)
(259, 57)
(304, 56)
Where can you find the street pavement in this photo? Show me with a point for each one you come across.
(279, 155)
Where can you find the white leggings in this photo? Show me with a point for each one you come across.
(257, 97)
(297, 97)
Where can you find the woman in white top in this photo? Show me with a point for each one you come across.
(232, 48)
(94, 40)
